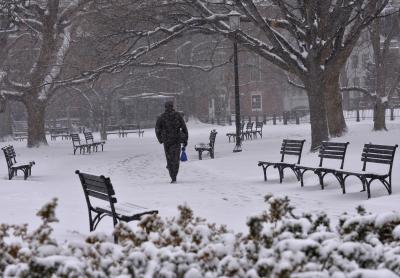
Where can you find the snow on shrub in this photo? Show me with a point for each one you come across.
(279, 243)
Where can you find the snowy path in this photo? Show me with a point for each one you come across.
(225, 190)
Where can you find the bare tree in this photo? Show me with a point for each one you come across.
(311, 39)
(383, 72)
(385, 66)
(50, 27)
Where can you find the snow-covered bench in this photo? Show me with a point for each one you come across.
(20, 130)
(202, 147)
(249, 131)
(101, 189)
(76, 144)
(380, 154)
(113, 129)
(328, 150)
(233, 134)
(94, 144)
(289, 147)
(258, 129)
(131, 128)
(12, 164)
(59, 132)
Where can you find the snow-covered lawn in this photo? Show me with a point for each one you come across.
(225, 190)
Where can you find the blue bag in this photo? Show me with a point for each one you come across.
(183, 155)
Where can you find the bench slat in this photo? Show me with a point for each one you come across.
(334, 148)
(329, 152)
(378, 156)
(331, 156)
(101, 196)
(374, 160)
(293, 141)
(292, 144)
(291, 152)
(335, 144)
(377, 151)
(383, 147)
(96, 186)
(93, 177)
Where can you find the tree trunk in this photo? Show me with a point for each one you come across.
(379, 115)
(5, 122)
(36, 121)
(318, 120)
(103, 124)
(334, 108)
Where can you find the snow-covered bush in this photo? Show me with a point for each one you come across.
(279, 243)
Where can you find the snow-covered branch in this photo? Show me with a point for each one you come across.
(55, 69)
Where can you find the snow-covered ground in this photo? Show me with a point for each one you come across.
(225, 190)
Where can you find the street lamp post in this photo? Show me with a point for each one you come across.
(234, 23)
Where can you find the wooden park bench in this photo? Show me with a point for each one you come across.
(233, 134)
(131, 128)
(20, 135)
(258, 129)
(100, 188)
(76, 144)
(328, 150)
(289, 147)
(113, 129)
(90, 141)
(62, 132)
(13, 166)
(202, 147)
(379, 154)
(20, 130)
(248, 133)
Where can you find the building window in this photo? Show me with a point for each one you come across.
(354, 61)
(256, 104)
(255, 69)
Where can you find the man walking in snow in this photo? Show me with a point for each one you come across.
(172, 132)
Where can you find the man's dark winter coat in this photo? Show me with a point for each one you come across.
(171, 131)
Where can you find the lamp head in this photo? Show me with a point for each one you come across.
(234, 20)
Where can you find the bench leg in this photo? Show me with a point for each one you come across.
(342, 181)
(265, 172)
(368, 183)
(115, 222)
(321, 181)
(301, 174)
(281, 174)
(25, 173)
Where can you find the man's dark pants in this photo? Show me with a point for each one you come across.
(172, 153)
